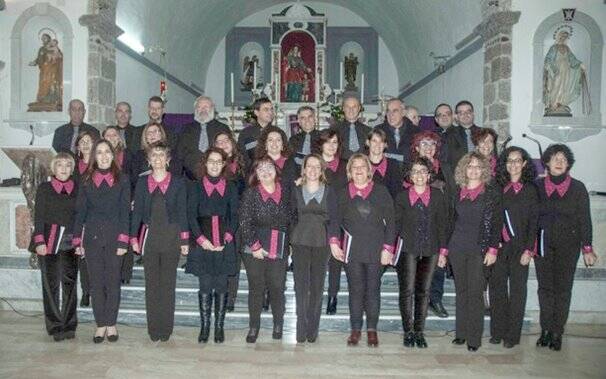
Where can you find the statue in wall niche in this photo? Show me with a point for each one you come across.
(248, 72)
(564, 78)
(351, 71)
(298, 77)
(50, 79)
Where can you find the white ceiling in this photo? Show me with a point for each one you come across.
(191, 30)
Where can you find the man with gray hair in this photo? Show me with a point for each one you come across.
(130, 134)
(399, 131)
(353, 132)
(65, 136)
(198, 136)
(412, 113)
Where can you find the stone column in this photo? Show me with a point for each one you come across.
(495, 30)
(102, 32)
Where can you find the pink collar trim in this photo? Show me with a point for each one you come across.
(209, 187)
(276, 196)
(58, 185)
(163, 185)
(363, 193)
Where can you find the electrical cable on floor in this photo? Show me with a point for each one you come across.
(20, 313)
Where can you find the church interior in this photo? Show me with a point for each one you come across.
(499, 55)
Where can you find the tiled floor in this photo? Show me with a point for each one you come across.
(27, 352)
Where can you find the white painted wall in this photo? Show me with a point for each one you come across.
(462, 82)
(136, 83)
(16, 137)
(337, 17)
(590, 153)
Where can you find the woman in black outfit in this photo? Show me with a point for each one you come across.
(515, 176)
(329, 147)
(366, 213)
(213, 211)
(422, 227)
(139, 166)
(265, 218)
(473, 244)
(385, 171)
(315, 205)
(54, 219)
(84, 145)
(234, 172)
(564, 229)
(485, 141)
(101, 227)
(274, 143)
(159, 229)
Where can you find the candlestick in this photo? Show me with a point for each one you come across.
(231, 77)
(317, 88)
(341, 67)
(254, 75)
(362, 90)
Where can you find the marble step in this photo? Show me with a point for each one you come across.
(238, 320)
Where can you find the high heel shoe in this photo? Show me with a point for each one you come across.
(99, 339)
(113, 337)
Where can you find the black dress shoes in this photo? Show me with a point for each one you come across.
(331, 308)
(420, 340)
(154, 338)
(252, 335)
(458, 341)
(545, 339)
(112, 337)
(164, 338)
(277, 332)
(85, 300)
(409, 339)
(312, 339)
(98, 339)
(472, 348)
(556, 342)
(69, 334)
(508, 345)
(58, 337)
(438, 309)
(495, 340)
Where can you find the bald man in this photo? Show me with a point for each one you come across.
(352, 131)
(399, 130)
(65, 136)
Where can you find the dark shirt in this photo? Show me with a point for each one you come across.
(456, 139)
(401, 151)
(296, 145)
(56, 209)
(62, 139)
(522, 209)
(188, 144)
(247, 142)
(362, 131)
(316, 221)
(392, 179)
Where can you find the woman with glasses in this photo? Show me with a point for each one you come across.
(264, 219)
(515, 176)
(565, 228)
(421, 225)
(473, 244)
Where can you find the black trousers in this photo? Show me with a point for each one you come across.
(84, 281)
(104, 273)
(555, 274)
(261, 274)
(334, 276)
(59, 272)
(437, 285)
(309, 274)
(233, 282)
(364, 281)
(470, 282)
(128, 261)
(414, 277)
(160, 267)
(508, 295)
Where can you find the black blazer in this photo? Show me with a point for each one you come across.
(409, 220)
(296, 145)
(247, 142)
(187, 144)
(401, 152)
(522, 209)
(132, 134)
(176, 206)
(457, 144)
(362, 133)
(62, 139)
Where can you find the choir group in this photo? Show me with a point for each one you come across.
(347, 197)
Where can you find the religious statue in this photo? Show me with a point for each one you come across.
(298, 77)
(351, 70)
(564, 78)
(248, 72)
(50, 80)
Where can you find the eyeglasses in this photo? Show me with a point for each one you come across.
(214, 162)
(266, 168)
(515, 161)
(465, 113)
(419, 172)
(474, 167)
(427, 143)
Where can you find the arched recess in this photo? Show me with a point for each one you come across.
(43, 122)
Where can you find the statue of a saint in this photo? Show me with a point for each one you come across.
(50, 80)
(248, 72)
(351, 70)
(564, 79)
(297, 77)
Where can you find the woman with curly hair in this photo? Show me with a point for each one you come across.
(564, 230)
(274, 143)
(473, 244)
(515, 176)
(485, 141)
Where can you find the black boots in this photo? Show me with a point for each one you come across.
(220, 308)
(556, 342)
(409, 339)
(206, 302)
(331, 308)
(252, 335)
(545, 339)
(438, 309)
(277, 332)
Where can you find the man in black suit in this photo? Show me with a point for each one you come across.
(65, 136)
(458, 138)
(247, 139)
(352, 131)
(198, 136)
(399, 130)
(131, 135)
(302, 143)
